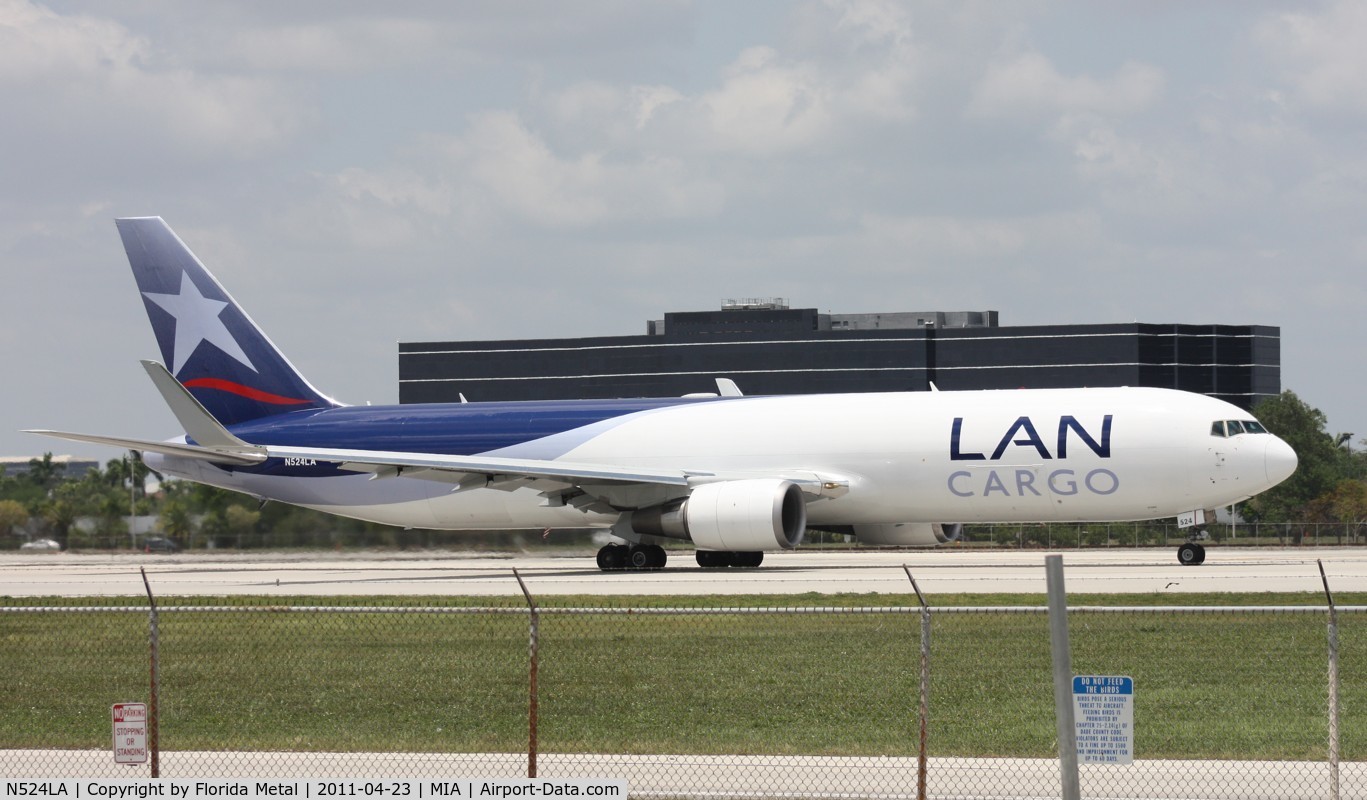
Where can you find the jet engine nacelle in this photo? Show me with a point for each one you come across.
(747, 515)
(908, 534)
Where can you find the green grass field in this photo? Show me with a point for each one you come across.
(1211, 686)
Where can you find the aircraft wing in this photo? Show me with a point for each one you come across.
(390, 463)
(463, 471)
(477, 471)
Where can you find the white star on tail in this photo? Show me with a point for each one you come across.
(197, 321)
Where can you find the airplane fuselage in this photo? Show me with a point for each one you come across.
(977, 456)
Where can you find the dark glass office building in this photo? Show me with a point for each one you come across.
(768, 348)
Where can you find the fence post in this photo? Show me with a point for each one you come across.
(924, 711)
(535, 615)
(1333, 687)
(1063, 678)
(154, 643)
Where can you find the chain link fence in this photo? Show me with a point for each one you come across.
(1228, 702)
(684, 702)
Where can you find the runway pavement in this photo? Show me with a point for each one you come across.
(950, 570)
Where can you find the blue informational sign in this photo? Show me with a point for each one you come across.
(1103, 713)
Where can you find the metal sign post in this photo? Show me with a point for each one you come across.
(154, 641)
(922, 756)
(1063, 678)
(532, 691)
(1333, 687)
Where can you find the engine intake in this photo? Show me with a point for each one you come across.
(747, 515)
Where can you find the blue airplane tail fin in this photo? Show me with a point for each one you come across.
(207, 341)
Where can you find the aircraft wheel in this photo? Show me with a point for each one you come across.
(640, 557)
(658, 557)
(1200, 553)
(612, 557)
(712, 558)
(1190, 554)
(749, 559)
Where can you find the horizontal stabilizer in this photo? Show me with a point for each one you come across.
(242, 457)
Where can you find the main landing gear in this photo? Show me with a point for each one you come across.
(722, 558)
(613, 557)
(617, 557)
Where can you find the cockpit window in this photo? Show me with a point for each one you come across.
(1234, 427)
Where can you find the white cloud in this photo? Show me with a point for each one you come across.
(342, 46)
(880, 58)
(854, 63)
(498, 171)
(1102, 153)
(63, 74)
(1029, 85)
(1322, 56)
(647, 99)
(516, 168)
(1164, 184)
(765, 106)
(396, 189)
(767, 103)
(938, 241)
(873, 20)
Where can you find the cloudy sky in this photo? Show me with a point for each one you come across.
(360, 174)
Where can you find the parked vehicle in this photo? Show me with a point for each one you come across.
(42, 546)
(159, 544)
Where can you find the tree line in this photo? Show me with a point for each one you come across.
(92, 511)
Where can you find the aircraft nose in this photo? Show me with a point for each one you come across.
(1281, 460)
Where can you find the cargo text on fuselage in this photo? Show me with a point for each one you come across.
(1021, 482)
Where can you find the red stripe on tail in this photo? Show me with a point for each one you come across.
(244, 391)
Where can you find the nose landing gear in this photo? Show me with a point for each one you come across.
(1193, 552)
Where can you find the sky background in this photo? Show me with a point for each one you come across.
(359, 174)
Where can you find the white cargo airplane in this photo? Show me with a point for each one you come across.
(737, 476)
